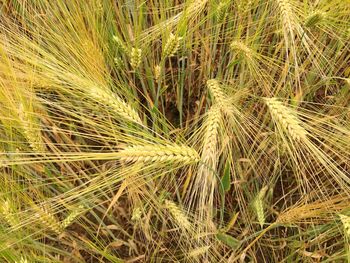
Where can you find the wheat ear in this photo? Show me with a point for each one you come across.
(171, 46)
(32, 135)
(178, 215)
(7, 211)
(243, 49)
(258, 205)
(156, 153)
(286, 14)
(135, 57)
(346, 223)
(216, 91)
(120, 45)
(121, 107)
(71, 217)
(211, 125)
(286, 118)
(314, 19)
(48, 220)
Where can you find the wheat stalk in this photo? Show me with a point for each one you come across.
(156, 153)
(171, 46)
(286, 118)
(121, 107)
(177, 214)
(135, 57)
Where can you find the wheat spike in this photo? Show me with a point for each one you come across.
(242, 48)
(171, 46)
(216, 91)
(221, 11)
(71, 217)
(314, 19)
(135, 57)
(120, 106)
(22, 260)
(118, 62)
(286, 118)
(136, 214)
(156, 153)
(47, 219)
(212, 124)
(346, 223)
(286, 14)
(178, 215)
(120, 45)
(198, 251)
(7, 211)
(32, 135)
(157, 72)
(258, 205)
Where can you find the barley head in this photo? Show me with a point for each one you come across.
(155, 153)
(286, 118)
(135, 57)
(171, 46)
(178, 215)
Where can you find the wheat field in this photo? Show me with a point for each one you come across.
(174, 131)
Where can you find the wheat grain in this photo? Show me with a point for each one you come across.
(286, 118)
(171, 46)
(178, 215)
(122, 108)
(135, 57)
(156, 153)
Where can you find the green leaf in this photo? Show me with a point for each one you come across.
(226, 179)
(228, 240)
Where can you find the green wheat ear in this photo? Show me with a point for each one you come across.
(258, 205)
(172, 45)
(135, 57)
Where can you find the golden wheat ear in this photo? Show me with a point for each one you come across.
(286, 119)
